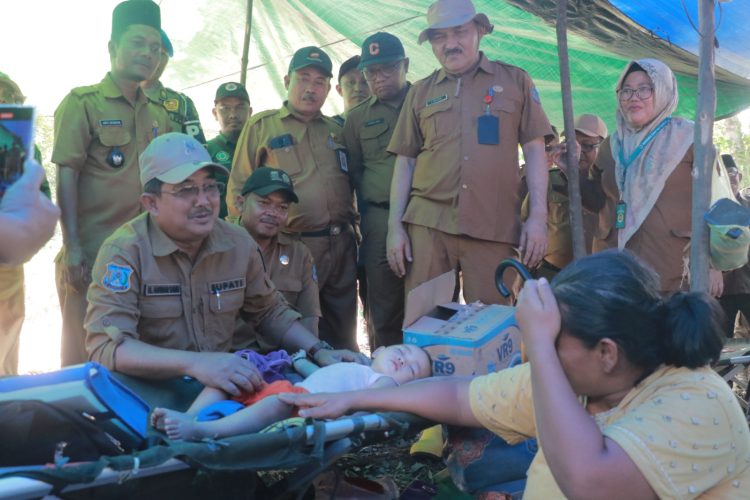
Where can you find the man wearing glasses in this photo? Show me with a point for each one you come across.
(168, 286)
(298, 139)
(231, 109)
(99, 132)
(367, 131)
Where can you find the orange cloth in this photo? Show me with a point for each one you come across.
(269, 390)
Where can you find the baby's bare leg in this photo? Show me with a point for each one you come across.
(207, 397)
(250, 419)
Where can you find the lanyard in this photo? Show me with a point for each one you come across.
(638, 150)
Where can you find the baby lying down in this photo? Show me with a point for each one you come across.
(391, 366)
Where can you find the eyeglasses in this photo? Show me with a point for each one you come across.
(587, 148)
(385, 70)
(191, 191)
(226, 110)
(642, 93)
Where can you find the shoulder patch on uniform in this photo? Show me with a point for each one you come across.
(88, 89)
(222, 156)
(227, 285)
(436, 100)
(163, 290)
(376, 121)
(171, 104)
(117, 277)
(110, 123)
(535, 95)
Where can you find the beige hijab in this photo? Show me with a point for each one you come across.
(642, 183)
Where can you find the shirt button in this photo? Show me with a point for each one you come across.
(466, 158)
(464, 186)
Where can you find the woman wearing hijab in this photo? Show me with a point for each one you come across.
(647, 177)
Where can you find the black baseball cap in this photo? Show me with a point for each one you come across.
(311, 56)
(231, 89)
(348, 65)
(381, 48)
(267, 180)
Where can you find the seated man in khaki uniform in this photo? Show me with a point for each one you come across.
(168, 286)
(265, 201)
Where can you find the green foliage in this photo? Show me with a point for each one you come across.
(730, 138)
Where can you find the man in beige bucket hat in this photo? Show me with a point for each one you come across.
(455, 193)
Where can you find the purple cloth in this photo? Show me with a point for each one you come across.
(271, 366)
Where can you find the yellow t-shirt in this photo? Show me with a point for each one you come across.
(683, 429)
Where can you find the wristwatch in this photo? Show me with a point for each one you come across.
(312, 351)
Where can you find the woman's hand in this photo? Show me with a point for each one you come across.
(321, 405)
(537, 315)
(715, 283)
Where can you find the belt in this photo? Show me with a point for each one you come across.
(332, 230)
(384, 204)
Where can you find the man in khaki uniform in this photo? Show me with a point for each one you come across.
(299, 140)
(367, 131)
(454, 197)
(231, 109)
(183, 116)
(169, 285)
(99, 132)
(12, 294)
(266, 198)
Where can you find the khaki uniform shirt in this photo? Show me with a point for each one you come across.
(312, 160)
(181, 111)
(91, 124)
(460, 186)
(290, 266)
(367, 132)
(145, 287)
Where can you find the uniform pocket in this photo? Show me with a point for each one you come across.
(437, 122)
(114, 136)
(288, 160)
(374, 140)
(161, 307)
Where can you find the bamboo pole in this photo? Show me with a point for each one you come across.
(703, 149)
(574, 189)
(246, 42)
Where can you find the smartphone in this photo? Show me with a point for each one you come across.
(16, 142)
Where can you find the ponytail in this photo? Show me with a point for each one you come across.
(693, 334)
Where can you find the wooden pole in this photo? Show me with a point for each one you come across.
(246, 43)
(574, 189)
(704, 152)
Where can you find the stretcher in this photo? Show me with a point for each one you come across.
(225, 467)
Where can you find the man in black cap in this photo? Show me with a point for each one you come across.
(367, 131)
(266, 197)
(100, 130)
(180, 108)
(352, 86)
(231, 109)
(306, 145)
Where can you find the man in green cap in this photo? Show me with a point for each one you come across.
(180, 108)
(266, 198)
(367, 131)
(99, 132)
(12, 307)
(231, 109)
(306, 145)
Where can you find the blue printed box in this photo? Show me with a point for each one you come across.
(468, 339)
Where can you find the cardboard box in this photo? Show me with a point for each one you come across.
(468, 339)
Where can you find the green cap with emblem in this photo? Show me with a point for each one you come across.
(174, 157)
(267, 180)
(130, 12)
(231, 89)
(381, 48)
(311, 56)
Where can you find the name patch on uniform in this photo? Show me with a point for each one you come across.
(162, 290)
(374, 122)
(117, 278)
(110, 123)
(227, 286)
(436, 100)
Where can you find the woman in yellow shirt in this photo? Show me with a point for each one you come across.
(617, 390)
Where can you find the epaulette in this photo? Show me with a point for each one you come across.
(88, 89)
(256, 117)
